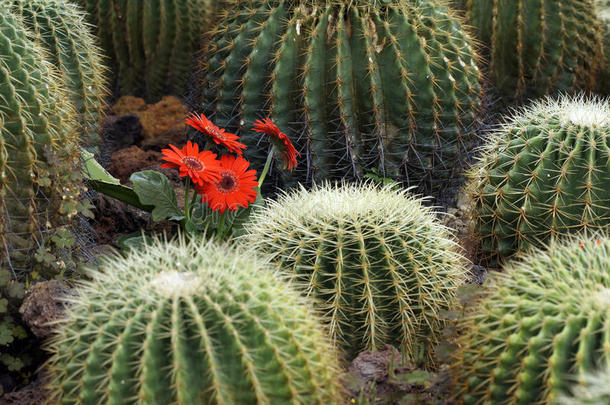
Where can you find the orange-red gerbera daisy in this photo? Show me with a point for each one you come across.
(235, 188)
(201, 167)
(280, 141)
(218, 135)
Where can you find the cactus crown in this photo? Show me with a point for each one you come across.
(191, 323)
(380, 265)
(542, 319)
(544, 173)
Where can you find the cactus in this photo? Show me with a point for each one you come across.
(594, 390)
(603, 12)
(538, 47)
(381, 267)
(192, 324)
(541, 320)
(61, 28)
(152, 44)
(391, 85)
(546, 172)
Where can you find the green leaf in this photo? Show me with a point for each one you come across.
(3, 305)
(92, 170)
(16, 290)
(154, 188)
(121, 193)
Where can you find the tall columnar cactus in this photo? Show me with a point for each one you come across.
(541, 320)
(538, 46)
(152, 44)
(381, 267)
(603, 12)
(192, 324)
(594, 389)
(544, 173)
(60, 26)
(39, 185)
(392, 85)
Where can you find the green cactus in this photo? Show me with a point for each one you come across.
(60, 26)
(544, 173)
(603, 12)
(193, 324)
(152, 44)
(538, 47)
(594, 390)
(382, 268)
(391, 85)
(541, 320)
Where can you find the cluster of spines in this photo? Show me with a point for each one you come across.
(382, 269)
(541, 320)
(538, 47)
(355, 86)
(60, 26)
(192, 323)
(545, 173)
(39, 187)
(153, 45)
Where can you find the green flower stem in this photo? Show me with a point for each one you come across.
(266, 169)
(221, 225)
(187, 205)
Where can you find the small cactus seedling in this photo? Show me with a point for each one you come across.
(536, 46)
(357, 85)
(380, 265)
(540, 321)
(151, 44)
(544, 173)
(191, 323)
(61, 28)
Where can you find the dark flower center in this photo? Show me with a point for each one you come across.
(214, 131)
(193, 163)
(227, 183)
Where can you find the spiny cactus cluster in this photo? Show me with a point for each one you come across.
(542, 319)
(391, 85)
(544, 173)
(60, 26)
(594, 389)
(151, 44)
(194, 324)
(381, 267)
(537, 46)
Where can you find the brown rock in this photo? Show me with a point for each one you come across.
(33, 394)
(125, 162)
(128, 104)
(43, 304)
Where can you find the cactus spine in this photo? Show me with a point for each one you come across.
(594, 389)
(544, 173)
(377, 261)
(152, 44)
(538, 46)
(193, 324)
(356, 85)
(541, 320)
(60, 26)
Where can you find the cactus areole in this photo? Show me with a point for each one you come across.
(356, 85)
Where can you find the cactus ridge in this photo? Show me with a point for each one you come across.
(544, 173)
(355, 85)
(192, 323)
(380, 266)
(60, 26)
(538, 47)
(38, 145)
(603, 12)
(153, 44)
(541, 321)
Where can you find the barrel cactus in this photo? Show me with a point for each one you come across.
(593, 390)
(152, 44)
(540, 321)
(383, 270)
(391, 85)
(193, 324)
(544, 173)
(60, 26)
(537, 46)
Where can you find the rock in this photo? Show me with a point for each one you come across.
(121, 131)
(33, 394)
(125, 162)
(175, 136)
(374, 366)
(128, 104)
(44, 304)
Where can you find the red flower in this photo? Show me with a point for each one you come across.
(218, 135)
(280, 141)
(201, 167)
(235, 188)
